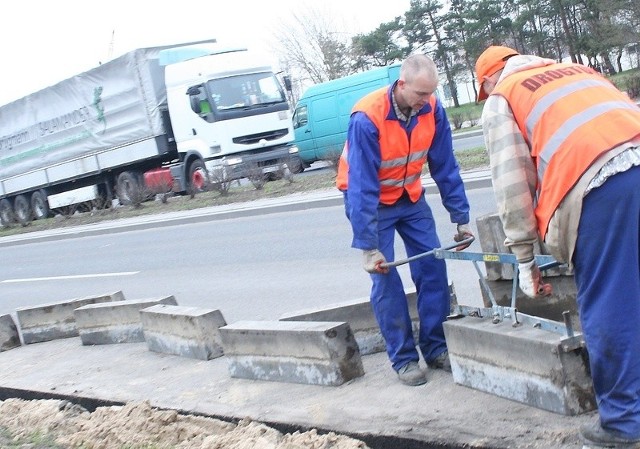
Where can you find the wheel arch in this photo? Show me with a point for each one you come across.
(189, 158)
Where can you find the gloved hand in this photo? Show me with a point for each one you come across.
(372, 258)
(530, 280)
(464, 232)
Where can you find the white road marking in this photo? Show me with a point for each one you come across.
(77, 276)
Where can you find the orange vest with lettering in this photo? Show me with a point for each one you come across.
(569, 115)
(401, 159)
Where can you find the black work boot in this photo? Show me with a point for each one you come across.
(441, 362)
(595, 437)
(412, 375)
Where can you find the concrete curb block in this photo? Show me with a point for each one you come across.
(359, 314)
(316, 353)
(119, 322)
(56, 320)
(184, 331)
(520, 363)
(9, 336)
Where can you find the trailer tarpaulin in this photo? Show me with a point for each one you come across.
(113, 104)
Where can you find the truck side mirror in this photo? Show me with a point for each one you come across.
(195, 104)
(287, 82)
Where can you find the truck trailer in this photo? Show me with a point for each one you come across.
(180, 118)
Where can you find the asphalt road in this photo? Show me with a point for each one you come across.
(468, 140)
(253, 267)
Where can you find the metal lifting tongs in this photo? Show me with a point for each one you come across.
(432, 252)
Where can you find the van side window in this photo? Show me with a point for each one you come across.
(300, 117)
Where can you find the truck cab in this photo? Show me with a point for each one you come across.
(228, 108)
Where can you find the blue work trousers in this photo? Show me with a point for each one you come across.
(607, 274)
(415, 224)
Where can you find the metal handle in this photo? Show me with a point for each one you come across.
(427, 253)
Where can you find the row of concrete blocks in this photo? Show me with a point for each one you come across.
(319, 346)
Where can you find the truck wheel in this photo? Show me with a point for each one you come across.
(198, 177)
(23, 211)
(128, 188)
(295, 165)
(7, 217)
(40, 205)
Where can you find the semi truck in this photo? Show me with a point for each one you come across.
(176, 118)
(321, 115)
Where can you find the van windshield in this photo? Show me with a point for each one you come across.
(300, 117)
(246, 91)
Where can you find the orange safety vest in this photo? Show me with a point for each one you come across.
(569, 115)
(401, 160)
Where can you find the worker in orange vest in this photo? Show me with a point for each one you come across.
(392, 133)
(564, 147)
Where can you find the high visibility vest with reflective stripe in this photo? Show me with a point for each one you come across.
(401, 159)
(570, 115)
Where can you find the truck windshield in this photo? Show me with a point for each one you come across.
(246, 91)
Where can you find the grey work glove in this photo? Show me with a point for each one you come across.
(530, 280)
(464, 232)
(372, 258)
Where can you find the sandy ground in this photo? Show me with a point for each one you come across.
(49, 424)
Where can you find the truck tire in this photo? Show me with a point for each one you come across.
(198, 177)
(7, 217)
(22, 208)
(295, 165)
(128, 188)
(40, 205)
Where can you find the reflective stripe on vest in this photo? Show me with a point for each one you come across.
(402, 159)
(569, 115)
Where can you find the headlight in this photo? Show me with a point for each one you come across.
(293, 150)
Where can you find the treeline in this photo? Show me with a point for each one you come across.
(591, 32)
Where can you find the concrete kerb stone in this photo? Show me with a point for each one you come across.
(316, 353)
(522, 363)
(184, 331)
(9, 336)
(55, 320)
(359, 314)
(117, 322)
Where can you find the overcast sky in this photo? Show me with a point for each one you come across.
(46, 41)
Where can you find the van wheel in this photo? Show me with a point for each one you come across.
(40, 205)
(7, 216)
(22, 208)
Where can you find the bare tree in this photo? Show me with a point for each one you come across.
(314, 47)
